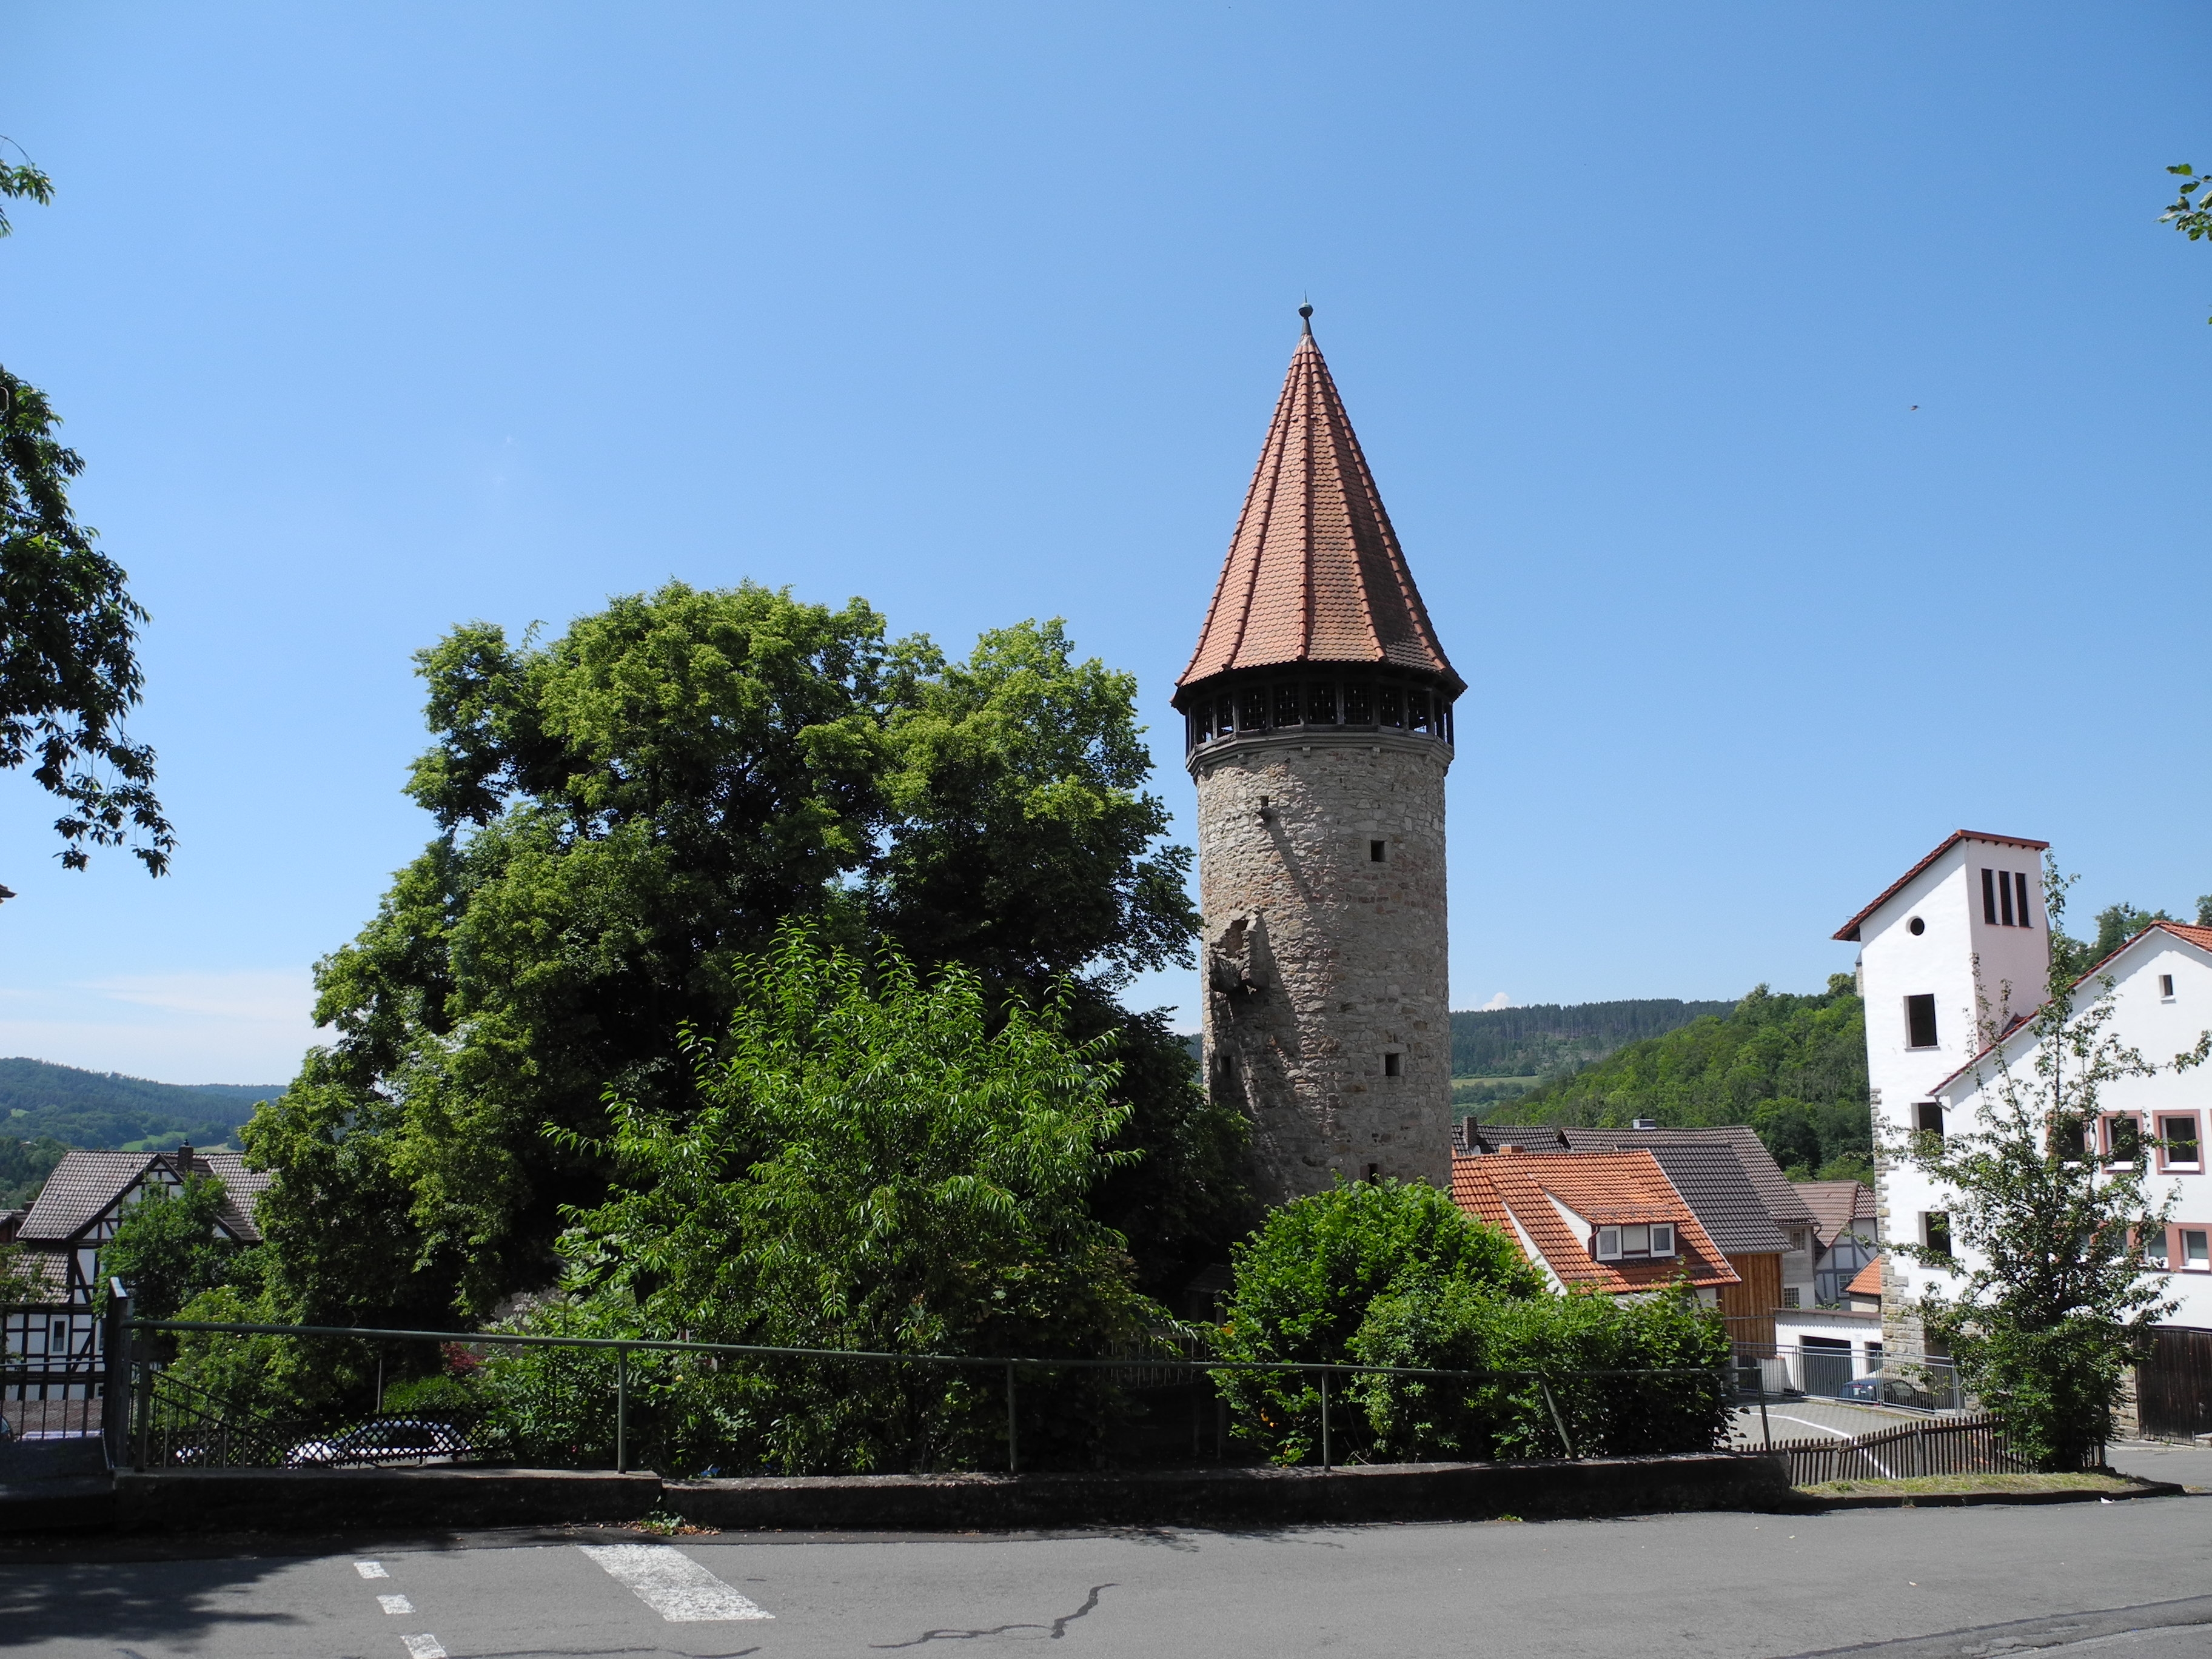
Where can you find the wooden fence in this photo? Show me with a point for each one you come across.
(1949, 1445)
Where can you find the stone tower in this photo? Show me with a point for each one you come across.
(1317, 715)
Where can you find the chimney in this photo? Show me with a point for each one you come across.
(184, 1159)
(1645, 1123)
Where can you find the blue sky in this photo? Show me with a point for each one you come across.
(371, 320)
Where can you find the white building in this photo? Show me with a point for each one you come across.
(1952, 959)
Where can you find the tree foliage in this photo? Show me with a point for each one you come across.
(168, 1248)
(2056, 1299)
(1793, 1068)
(629, 809)
(69, 631)
(878, 1161)
(2190, 212)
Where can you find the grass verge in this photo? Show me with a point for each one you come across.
(1932, 1485)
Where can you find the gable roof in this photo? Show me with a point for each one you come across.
(1850, 930)
(2187, 932)
(1514, 1192)
(1835, 1205)
(1315, 573)
(85, 1185)
(1779, 1198)
(1867, 1281)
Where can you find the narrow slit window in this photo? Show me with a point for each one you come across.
(1989, 896)
(1936, 1231)
(1920, 1022)
(2166, 985)
(2019, 885)
(1393, 1065)
(2004, 898)
(1378, 851)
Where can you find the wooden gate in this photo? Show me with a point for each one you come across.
(2174, 1387)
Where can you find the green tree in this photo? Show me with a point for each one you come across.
(168, 1247)
(1793, 1068)
(2056, 1297)
(68, 632)
(878, 1161)
(2190, 212)
(625, 813)
(1306, 1280)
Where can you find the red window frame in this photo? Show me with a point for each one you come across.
(2164, 1164)
(2104, 1122)
(2175, 1260)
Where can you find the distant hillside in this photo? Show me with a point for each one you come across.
(1547, 1039)
(106, 1109)
(1793, 1068)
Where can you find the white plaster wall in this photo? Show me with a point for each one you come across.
(2159, 1029)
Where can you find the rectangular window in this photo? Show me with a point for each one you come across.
(1928, 1118)
(1358, 703)
(1393, 701)
(2194, 1252)
(1224, 715)
(2153, 1249)
(1636, 1241)
(1252, 709)
(2123, 1137)
(2019, 883)
(1789, 1296)
(1393, 1065)
(1936, 1231)
(1286, 704)
(1608, 1243)
(2184, 1149)
(1320, 703)
(2004, 899)
(1662, 1238)
(1417, 710)
(1989, 896)
(1378, 851)
(1920, 1022)
(1202, 722)
(2070, 1140)
(2166, 985)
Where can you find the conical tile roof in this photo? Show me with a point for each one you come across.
(1315, 573)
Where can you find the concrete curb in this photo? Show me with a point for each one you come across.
(1963, 1500)
(436, 1499)
(304, 1500)
(82, 1503)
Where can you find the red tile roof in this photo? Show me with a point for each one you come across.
(1608, 1189)
(1315, 573)
(1867, 1281)
(1850, 930)
(1835, 1205)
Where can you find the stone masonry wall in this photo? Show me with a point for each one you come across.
(1320, 960)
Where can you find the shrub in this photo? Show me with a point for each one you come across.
(1306, 1279)
(1681, 1406)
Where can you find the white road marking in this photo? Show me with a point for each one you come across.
(672, 1583)
(396, 1604)
(371, 1568)
(1784, 1417)
(423, 1647)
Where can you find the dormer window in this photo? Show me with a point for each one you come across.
(1634, 1244)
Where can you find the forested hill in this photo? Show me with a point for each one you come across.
(1547, 1038)
(1793, 1068)
(107, 1109)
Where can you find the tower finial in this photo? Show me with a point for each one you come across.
(1305, 312)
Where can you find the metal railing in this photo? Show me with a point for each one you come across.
(199, 1430)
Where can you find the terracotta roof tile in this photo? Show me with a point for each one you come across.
(1514, 1192)
(1867, 1281)
(1315, 573)
(1776, 1196)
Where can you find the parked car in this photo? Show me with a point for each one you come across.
(1891, 1388)
(384, 1440)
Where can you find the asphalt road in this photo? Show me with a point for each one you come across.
(1714, 1586)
